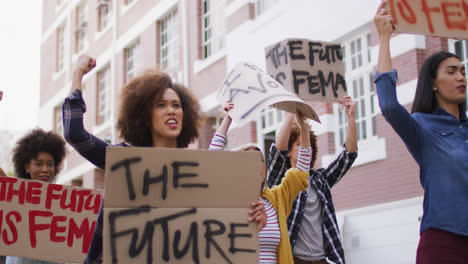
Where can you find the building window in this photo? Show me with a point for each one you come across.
(369, 46)
(81, 24)
(103, 95)
(104, 14)
(60, 48)
(270, 119)
(58, 122)
(461, 50)
(359, 79)
(362, 90)
(262, 5)
(132, 57)
(356, 53)
(169, 48)
(213, 27)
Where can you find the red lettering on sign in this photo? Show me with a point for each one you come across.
(427, 12)
(450, 16)
(465, 8)
(11, 226)
(20, 192)
(392, 11)
(411, 17)
(81, 200)
(51, 195)
(33, 193)
(55, 228)
(5, 182)
(34, 227)
(91, 205)
(83, 231)
(72, 202)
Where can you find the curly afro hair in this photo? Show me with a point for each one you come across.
(29, 146)
(137, 101)
(295, 134)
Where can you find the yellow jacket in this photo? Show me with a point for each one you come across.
(282, 197)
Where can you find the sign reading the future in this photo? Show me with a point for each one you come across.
(444, 18)
(252, 90)
(313, 70)
(180, 206)
(45, 221)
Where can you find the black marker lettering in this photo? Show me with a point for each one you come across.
(177, 175)
(280, 76)
(147, 180)
(312, 51)
(295, 45)
(193, 238)
(228, 83)
(128, 173)
(298, 81)
(209, 238)
(276, 55)
(233, 235)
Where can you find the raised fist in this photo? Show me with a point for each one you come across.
(85, 64)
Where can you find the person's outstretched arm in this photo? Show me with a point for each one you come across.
(90, 147)
(385, 79)
(219, 138)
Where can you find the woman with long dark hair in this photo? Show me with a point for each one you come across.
(436, 134)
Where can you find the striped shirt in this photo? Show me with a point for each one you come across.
(321, 180)
(269, 237)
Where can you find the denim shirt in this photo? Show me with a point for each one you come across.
(439, 143)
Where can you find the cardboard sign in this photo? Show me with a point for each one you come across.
(45, 221)
(180, 206)
(314, 70)
(251, 90)
(443, 18)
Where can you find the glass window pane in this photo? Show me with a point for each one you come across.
(364, 129)
(357, 110)
(459, 49)
(371, 82)
(359, 45)
(341, 136)
(363, 108)
(270, 118)
(361, 86)
(358, 131)
(466, 50)
(355, 94)
(374, 126)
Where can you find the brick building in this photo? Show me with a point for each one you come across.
(379, 202)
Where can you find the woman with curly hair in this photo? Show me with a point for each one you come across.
(37, 156)
(153, 112)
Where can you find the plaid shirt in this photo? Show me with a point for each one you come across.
(321, 180)
(91, 148)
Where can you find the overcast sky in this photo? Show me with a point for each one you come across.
(20, 28)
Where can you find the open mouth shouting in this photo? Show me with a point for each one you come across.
(172, 123)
